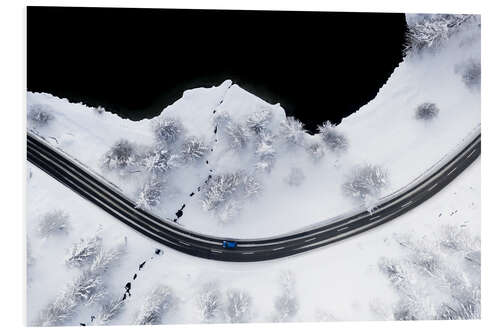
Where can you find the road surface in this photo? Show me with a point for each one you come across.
(166, 232)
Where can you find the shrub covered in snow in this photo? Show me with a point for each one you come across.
(168, 130)
(193, 149)
(225, 193)
(84, 252)
(120, 156)
(39, 114)
(158, 161)
(286, 304)
(236, 135)
(87, 288)
(209, 301)
(432, 30)
(292, 131)
(151, 193)
(365, 183)
(332, 138)
(316, 151)
(295, 177)
(470, 71)
(54, 223)
(109, 311)
(432, 284)
(426, 111)
(238, 306)
(266, 154)
(259, 121)
(156, 304)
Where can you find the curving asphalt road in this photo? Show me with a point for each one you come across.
(169, 234)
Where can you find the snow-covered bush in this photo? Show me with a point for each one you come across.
(470, 71)
(238, 306)
(84, 252)
(316, 151)
(120, 156)
(426, 111)
(150, 194)
(225, 193)
(266, 154)
(432, 30)
(458, 239)
(209, 301)
(332, 138)
(259, 121)
(286, 304)
(39, 114)
(432, 284)
(292, 131)
(156, 304)
(236, 135)
(87, 288)
(295, 177)
(158, 161)
(193, 149)
(99, 109)
(109, 311)
(365, 183)
(167, 130)
(54, 223)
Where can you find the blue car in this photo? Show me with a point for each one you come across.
(229, 244)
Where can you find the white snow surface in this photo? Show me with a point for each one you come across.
(337, 282)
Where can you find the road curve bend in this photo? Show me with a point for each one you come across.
(104, 195)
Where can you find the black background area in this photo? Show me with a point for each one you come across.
(318, 65)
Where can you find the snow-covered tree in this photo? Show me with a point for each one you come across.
(150, 194)
(158, 161)
(266, 154)
(87, 288)
(236, 135)
(54, 223)
(156, 304)
(224, 194)
(316, 151)
(83, 253)
(109, 311)
(332, 138)
(426, 111)
(238, 307)
(430, 31)
(365, 183)
(292, 131)
(286, 304)
(433, 279)
(259, 121)
(192, 149)
(168, 130)
(209, 301)
(120, 156)
(99, 109)
(39, 114)
(470, 71)
(459, 240)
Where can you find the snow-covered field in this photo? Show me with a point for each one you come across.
(243, 169)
